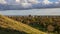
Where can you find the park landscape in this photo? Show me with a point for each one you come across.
(29, 16)
(29, 24)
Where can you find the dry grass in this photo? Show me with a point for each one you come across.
(11, 24)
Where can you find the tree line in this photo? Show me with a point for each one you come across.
(44, 23)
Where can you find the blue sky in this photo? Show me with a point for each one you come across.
(28, 3)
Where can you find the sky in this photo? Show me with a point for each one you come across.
(43, 12)
(28, 3)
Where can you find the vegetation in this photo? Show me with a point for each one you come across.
(44, 23)
(10, 31)
(8, 23)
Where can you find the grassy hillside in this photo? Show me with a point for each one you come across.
(10, 31)
(50, 24)
(11, 24)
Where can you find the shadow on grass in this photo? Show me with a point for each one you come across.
(39, 27)
(10, 31)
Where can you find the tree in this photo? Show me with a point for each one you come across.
(50, 28)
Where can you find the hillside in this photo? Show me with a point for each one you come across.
(10, 31)
(14, 25)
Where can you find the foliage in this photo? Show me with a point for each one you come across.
(40, 22)
(8, 23)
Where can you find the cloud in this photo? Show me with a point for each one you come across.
(47, 2)
(59, 0)
(18, 1)
(27, 3)
(2, 1)
(56, 2)
(33, 1)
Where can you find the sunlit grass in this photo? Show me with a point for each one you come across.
(11, 24)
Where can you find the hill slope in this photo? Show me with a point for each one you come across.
(11, 24)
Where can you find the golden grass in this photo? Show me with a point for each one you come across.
(11, 24)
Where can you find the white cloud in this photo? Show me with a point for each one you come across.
(17, 1)
(2, 1)
(56, 2)
(47, 2)
(27, 3)
(33, 1)
(59, 0)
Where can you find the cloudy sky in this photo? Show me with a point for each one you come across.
(29, 3)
